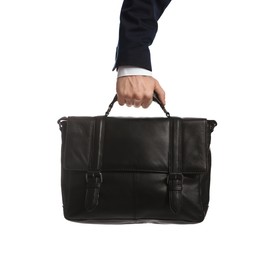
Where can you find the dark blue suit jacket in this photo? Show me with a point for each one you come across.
(138, 28)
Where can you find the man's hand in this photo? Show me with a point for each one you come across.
(138, 91)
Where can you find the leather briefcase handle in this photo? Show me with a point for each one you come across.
(155, 98)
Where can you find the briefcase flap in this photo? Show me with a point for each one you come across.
(136, 144)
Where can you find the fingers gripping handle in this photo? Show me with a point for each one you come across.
(155, 98)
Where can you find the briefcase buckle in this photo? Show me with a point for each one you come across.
(174, 177)
(175, 181)
(94, 179)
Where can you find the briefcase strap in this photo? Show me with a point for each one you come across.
(94, 177)
(174, 182)
(175, 177)
(155, 98)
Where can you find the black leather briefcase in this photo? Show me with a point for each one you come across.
(135, 170)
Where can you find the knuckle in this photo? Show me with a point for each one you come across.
(137, 96)
(148, 95)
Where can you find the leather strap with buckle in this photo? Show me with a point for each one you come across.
(93, 183)
(175, 181)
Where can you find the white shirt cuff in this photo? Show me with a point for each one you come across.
(131, 70)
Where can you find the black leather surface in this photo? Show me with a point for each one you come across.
(135, 157)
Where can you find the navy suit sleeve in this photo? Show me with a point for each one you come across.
(137, 30)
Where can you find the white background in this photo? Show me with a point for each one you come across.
(215, 59)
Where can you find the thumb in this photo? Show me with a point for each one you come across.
(160, 92)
